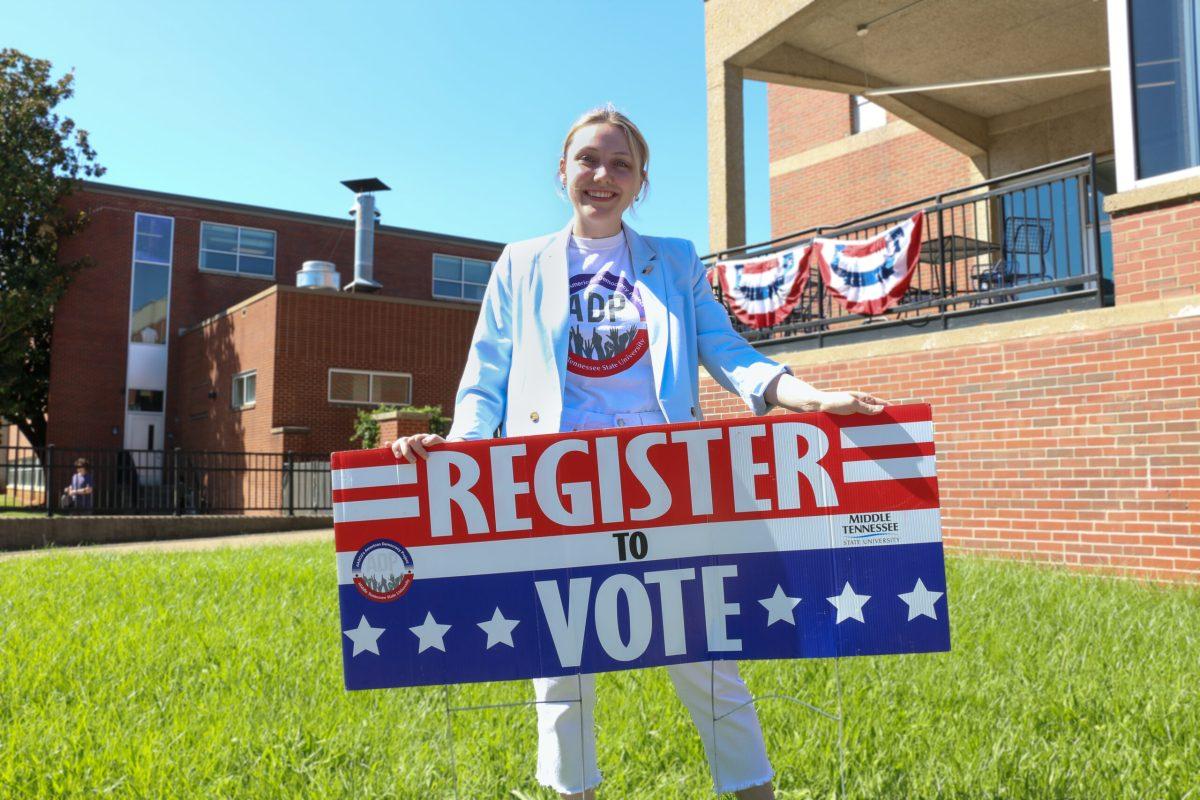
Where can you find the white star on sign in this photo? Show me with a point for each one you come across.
(365, 638)
(430, 632)
(779, 607)
(848, 604)
(499, 629)
(921, 601)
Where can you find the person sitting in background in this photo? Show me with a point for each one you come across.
(79, 494)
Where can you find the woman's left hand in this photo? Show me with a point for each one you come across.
(851, 403)
(788, 391)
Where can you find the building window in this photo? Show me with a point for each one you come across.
(1164, 37)
(237, 250)
(146, 400)
(152, 239)
(369, 388)
(151, 287)
(458, 278)
(865, 115)
(244, 386)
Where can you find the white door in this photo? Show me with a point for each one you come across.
(144, 432)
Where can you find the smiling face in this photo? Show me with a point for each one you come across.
(602, 175)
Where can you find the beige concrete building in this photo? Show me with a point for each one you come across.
(1057, 337)
(862, 47)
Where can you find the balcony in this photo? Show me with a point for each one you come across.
(1026, 244)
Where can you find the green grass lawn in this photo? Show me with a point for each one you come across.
(218, 674)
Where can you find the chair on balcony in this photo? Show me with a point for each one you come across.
(1023, 236)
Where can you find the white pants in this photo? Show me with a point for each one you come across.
(737, 756)
(733, 740)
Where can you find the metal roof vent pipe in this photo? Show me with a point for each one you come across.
(318, 275)
(364, 214)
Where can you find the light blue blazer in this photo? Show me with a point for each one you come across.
(517, 364)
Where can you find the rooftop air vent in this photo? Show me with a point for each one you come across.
(318, 275)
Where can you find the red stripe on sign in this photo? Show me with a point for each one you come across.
(908, 412)
(374, 493)
(634, 478)
(879, 451)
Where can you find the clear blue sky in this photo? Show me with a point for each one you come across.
(459, 106)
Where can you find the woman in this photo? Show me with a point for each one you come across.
(596, 327)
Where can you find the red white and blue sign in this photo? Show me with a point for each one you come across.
(791, 536)
(762, 292)
(870, 276)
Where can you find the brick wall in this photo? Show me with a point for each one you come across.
(292, 337)
(1156, 252)
(209, 357)
(91, 329)
(317, 331)
(854, 184)
(1077, 448)
(801, 119)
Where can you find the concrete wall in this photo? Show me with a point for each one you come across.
(1051, 132)
(33, 533)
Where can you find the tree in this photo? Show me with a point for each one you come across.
(42, 155)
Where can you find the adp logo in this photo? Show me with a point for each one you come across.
(382, 570)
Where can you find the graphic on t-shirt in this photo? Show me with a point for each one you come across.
(608, 330)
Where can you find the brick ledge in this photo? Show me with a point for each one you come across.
(386, 416)
(1167, 193)
(1120, 316)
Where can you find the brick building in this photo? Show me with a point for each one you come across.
(1067, 403)
(189, 330)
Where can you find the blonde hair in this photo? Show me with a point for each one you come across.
(609, 114)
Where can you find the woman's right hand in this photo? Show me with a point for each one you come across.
(410, 448)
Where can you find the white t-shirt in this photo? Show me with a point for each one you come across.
(608, 349)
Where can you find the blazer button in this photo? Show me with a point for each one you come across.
(533, 415)
(693, 410)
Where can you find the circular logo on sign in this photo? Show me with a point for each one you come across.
(382, 570)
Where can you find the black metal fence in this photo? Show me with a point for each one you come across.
(1029, 238)
(163, 482)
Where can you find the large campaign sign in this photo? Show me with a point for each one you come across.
(791, 536)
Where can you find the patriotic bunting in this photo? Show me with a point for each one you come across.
(762, 292)
(871, 276)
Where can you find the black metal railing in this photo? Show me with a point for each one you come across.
(38, 479)
(1024, 239)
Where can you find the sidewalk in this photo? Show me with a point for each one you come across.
(209, 543)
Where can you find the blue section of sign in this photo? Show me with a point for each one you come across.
(749, 614)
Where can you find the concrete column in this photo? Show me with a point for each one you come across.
(726, 162)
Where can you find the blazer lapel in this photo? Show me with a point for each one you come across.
(552, 300)
(652, 286)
